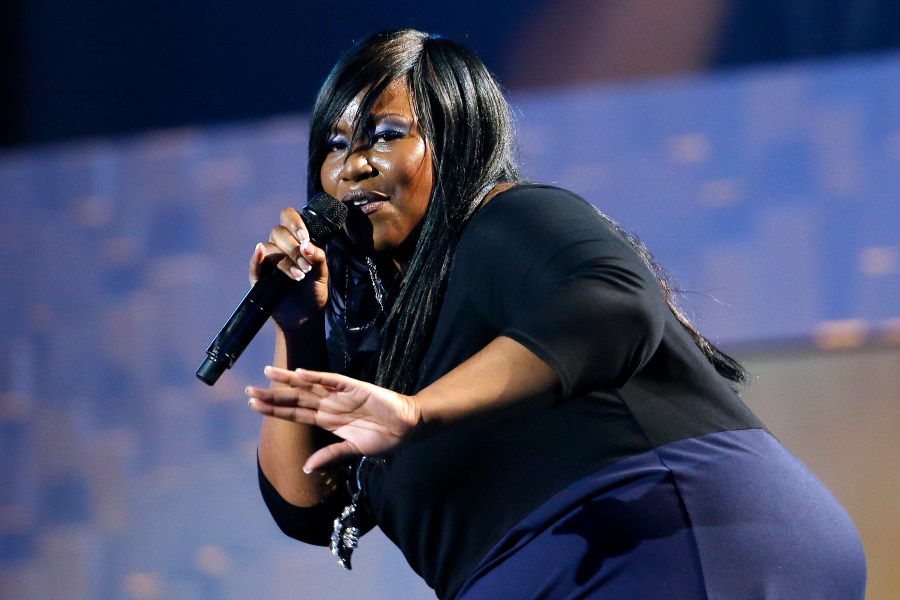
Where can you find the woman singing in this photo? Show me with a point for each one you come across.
(496, 375)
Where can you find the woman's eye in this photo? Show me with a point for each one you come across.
(387, 135)
(336, 145)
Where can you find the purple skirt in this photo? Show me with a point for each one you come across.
(727, 515)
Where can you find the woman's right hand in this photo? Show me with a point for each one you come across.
(290, 250)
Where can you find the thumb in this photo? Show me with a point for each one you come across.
(259, 255)
(329, 455)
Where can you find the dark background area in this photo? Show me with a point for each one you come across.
(106, 67)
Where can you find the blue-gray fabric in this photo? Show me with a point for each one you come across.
(729, 515)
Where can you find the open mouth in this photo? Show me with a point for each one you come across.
(366, 201)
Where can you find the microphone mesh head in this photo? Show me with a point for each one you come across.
(324, 216)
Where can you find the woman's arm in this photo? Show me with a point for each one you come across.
(299, 342)
(502, 379)
(284, 446)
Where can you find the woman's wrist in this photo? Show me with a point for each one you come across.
(417, 426)
(304, 326)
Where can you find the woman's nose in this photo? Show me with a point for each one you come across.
(357, 166)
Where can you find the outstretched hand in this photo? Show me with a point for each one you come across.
(370, 420)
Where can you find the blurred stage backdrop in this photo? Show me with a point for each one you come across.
(754, 146)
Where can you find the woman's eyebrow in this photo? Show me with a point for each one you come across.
(387, 115)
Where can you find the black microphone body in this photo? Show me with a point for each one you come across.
(324, 216)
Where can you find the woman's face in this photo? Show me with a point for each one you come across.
(386, 179)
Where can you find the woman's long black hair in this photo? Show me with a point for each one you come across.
(466, 122)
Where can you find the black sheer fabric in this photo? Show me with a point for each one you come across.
(361, 293)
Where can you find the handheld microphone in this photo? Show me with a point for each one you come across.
(324, 216)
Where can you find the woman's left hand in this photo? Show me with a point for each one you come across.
(371, 420)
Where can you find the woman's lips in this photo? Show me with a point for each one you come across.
(369, 207)
(366, 201)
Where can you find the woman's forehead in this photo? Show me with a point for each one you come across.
(395, 99)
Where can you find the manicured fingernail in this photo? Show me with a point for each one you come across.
(260, 249)
(267, 369)
(307, 471)
(297, 274)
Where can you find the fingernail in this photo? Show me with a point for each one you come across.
(297, 274)
(260, 248)
(267, 369)
(307, 471)
(251, 402)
